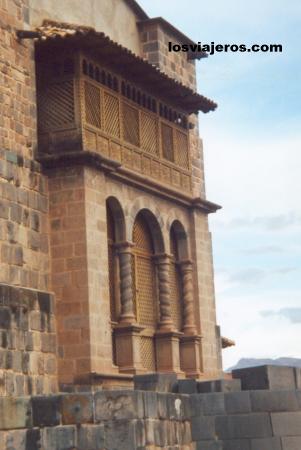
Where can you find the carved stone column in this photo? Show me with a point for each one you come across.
(186, 269)
(167, 338)
(190, 341)
(124, 251)
(127, 331)
(162, 263)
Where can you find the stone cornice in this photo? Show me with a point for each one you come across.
(116, 170)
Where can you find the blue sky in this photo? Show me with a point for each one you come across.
(252, 147)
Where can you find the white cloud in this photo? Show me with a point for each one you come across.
(256, 336)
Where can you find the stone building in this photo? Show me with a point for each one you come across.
(106, 259)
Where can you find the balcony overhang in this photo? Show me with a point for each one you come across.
(55, 36)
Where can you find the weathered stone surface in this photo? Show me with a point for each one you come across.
(91, 437)
(237, 402)
(110, 405)
(241, 426)
(120, 434)
(237, 444)
(266, 444)
(274, 401)
(59, 438)
(46, 411)
(187, 387)
(210, 445)
(77, 408)
(150, 401)
(286, 423)
(291, 443)
(155, 382)
(203, 428)
(219, 386)
(15, 413)
(266, 377)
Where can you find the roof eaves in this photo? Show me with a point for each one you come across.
(58, 31)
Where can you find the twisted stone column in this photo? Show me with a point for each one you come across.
(124, 251)
(186, 268)
(162, 262)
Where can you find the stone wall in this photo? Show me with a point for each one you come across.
(153, 420)
(23, 189)
(27, 342)
(113, 17)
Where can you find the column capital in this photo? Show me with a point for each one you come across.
(162, 258)
(186, 265)
(124, 246)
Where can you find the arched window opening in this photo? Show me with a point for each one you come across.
(175, 283)
(145, 293)
(112, 262)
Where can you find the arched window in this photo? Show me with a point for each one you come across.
(175, 283)
(115, 234)
(145, 295)
(112, 262)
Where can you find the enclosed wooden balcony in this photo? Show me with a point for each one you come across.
(95, 96)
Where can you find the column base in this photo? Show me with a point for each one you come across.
(127, 341)
(190, 355)
(168, 352)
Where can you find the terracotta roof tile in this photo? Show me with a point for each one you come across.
(124, 61)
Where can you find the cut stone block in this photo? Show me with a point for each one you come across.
(159, 382)
(243, 426)
(237, 402)
(274, 401)
(286, 423)
(15, 413)
(219, 386)
(46, 411)
(77, 408)
(110, 405)
(266, 377)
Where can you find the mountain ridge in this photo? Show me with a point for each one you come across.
(252, 362)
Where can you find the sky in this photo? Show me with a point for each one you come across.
(252, 151)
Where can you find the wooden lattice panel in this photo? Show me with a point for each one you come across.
(142, 236)
(149, 134)
(145, 283)
(130, 118)
(111, 114)
(148, 354)
(92, 105)
(182, 158)
(56, 106)
(167, 142)
(144, 273)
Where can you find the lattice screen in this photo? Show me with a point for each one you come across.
(148, 354)
(56, 105)
(111, 115)
(142, 236)
(167, 142)
(130, 118)
(92, 105)
(149, 133)
(146, 291)
(144, 273)
(182, 150)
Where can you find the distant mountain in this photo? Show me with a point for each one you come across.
(252, 362)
